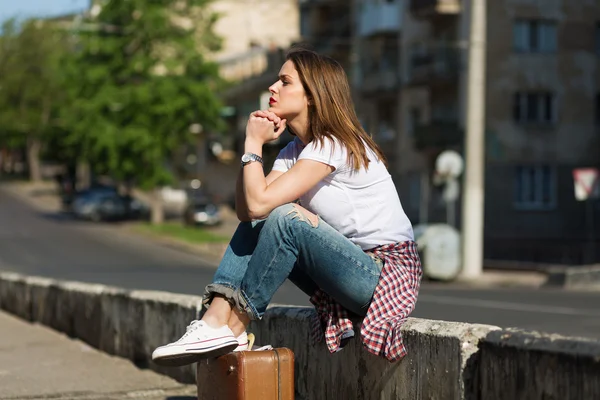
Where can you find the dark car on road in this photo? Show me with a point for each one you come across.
(106, 205)
(68, 197)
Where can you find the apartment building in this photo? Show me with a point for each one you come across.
(255, 34)
(407, 62)
(327, 26)
(324, 25)
(542, 117)
(376, 74)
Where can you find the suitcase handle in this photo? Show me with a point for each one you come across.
(278, 375)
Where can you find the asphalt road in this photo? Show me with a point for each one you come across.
(53, 245)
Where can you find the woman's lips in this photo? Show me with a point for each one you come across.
(272, 101)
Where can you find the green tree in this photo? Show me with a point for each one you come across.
(140, 82)
(30, 86)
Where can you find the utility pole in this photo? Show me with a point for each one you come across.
(473, 193)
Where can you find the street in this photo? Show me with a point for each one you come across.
(52, 245)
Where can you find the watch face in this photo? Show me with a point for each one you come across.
(246, 158)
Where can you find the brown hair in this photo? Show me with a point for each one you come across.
(331, 110)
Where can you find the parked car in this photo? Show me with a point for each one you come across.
(108, 206)
(202, 213)
(68, 197)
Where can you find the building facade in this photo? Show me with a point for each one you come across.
(407, 61)
(377, 74)
(542, 112)
(254, 37)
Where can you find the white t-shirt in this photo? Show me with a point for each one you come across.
(362, 205)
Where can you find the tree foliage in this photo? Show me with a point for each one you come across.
(118, 88)
(140, 81)
(31, 91)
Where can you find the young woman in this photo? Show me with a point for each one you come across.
(327, 217)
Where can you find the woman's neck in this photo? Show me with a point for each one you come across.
(300, 128)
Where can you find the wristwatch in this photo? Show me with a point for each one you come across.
(247, 158)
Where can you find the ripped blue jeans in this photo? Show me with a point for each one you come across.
(288, 245)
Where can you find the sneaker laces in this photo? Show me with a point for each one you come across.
(195, 324)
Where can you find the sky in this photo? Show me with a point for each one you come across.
(39, 8)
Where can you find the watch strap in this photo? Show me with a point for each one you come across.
(251, 157)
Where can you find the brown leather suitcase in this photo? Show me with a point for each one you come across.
(247, 375)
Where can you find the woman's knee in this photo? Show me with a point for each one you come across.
(291, 211)
(280, 212)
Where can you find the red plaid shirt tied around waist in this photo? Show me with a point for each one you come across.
(394, 299)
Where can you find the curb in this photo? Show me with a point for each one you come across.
(446, 360)
(131, 324)
(585, 277)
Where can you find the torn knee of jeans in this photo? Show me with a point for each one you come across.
(304, 215)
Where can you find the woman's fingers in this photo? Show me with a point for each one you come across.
(269, 115)
(279, 129)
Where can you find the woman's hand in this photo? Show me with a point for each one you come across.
(264, 126)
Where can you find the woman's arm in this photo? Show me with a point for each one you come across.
(261, 198)
(241, 208)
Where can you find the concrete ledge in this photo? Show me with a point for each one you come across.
(583, 277)
(446, 360)
(516, 364)
(440, 363)
(129, 324)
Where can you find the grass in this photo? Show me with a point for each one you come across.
(178, 231)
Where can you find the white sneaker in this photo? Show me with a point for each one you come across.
(199, 341)
(243, 342)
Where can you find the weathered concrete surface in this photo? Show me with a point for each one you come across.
(572, 277)
(39, 363)
(516, 364)
(439, 365)
(446, 360)
(129, 324)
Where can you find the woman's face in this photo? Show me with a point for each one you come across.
(288, 98)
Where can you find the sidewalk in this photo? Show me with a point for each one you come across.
(39, 363)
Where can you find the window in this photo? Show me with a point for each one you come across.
(414, 197)
(414, 120)
(534, 108)
(535, 187)
(305, 23)
(534, 36)
(598, 38)
(597, 110)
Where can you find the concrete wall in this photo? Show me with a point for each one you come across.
(446, 360)
(527, 365)
(439, 365)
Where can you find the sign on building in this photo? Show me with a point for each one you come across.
(587, 183)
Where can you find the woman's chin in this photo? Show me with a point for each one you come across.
(276, 111)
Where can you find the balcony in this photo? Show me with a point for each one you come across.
(380, 18)
(433, 64)
(433, 8)
(438, 135)
(380, 75)
(308, 3)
